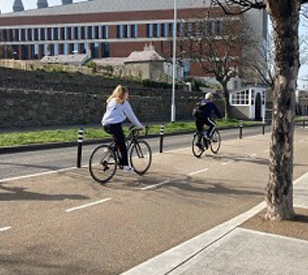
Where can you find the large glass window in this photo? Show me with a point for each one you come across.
(133, 31)
(69, 33)
(76, 33)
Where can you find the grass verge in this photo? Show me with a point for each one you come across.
(67, 135)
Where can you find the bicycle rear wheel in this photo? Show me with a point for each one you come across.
(102, 164)
(197, 145)
(141, 157)
(215, 142)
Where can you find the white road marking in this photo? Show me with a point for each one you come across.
(156, 185)
(228, 162)
(87, 205)
(253, 155)
(198, 172)
(38, 174)
(5, 228)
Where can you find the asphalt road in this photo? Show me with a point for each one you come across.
(27, 163)
(65, 223)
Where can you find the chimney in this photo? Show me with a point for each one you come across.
(41, 4)
(18, 6)
(67, 2)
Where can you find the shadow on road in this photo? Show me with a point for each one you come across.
(21, 193)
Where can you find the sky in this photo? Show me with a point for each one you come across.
(6, 6)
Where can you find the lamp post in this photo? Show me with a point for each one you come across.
(174, 62)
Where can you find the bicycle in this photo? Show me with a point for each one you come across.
(105, 159)
(200, 144)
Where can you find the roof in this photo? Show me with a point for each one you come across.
(103, 6)
(147, 55)
(73, 59)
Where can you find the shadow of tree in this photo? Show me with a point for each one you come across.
(21, 193)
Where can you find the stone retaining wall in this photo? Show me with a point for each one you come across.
(29, 108)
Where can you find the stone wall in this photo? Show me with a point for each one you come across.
(33, 108)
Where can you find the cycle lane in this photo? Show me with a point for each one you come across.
(123, 229)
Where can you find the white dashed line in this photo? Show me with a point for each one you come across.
(87, 205)
(5, 228)
(253, 155)
(38, 174)
(198, 172)
(156, 185)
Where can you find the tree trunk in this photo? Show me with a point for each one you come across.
(279, 196)
(227, 102)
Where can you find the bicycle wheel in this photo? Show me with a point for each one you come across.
(215, 142)
(197, 147)
(102, 164)
(141, 157)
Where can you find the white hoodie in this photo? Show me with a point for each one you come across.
(117, 113)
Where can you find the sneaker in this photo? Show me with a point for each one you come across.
(127, 168)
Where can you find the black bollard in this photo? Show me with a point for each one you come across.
(162, 133)
(79, 149)
(241, 129)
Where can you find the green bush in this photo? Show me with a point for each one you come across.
(92, 66)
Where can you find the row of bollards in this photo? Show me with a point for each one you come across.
(80, 142)
(161, 140)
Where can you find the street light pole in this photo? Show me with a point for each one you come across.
(174, 62)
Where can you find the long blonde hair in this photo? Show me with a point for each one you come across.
(118, 93)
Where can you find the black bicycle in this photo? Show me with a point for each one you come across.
(105, 159)
(200, 144)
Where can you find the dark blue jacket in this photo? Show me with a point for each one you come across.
(208, 107)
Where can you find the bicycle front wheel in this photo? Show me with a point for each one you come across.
(141, 157)
(197, 146)
(102, 164)
(215, 142)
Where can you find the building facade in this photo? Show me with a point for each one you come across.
(110, 28)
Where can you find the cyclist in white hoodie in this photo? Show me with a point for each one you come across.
(118, 109)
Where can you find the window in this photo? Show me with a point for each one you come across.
(76, 33)
(55, 33)
(96, 32)
(120, 31)
(90, 34)
(49, 34)
(164, 30)
(125, 31)
(62, 33)
(149, 30)
(133, 31)
(83, 32)
(30, 36)
(104, 32)
(170, 29)
(23, 35)
(155, 30)
(36, 35)
(16, 34)
(240, 98)
(69, 33)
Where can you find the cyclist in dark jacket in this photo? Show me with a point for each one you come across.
(206, 107)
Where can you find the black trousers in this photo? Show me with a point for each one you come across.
(209, 122)
(117, 132)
